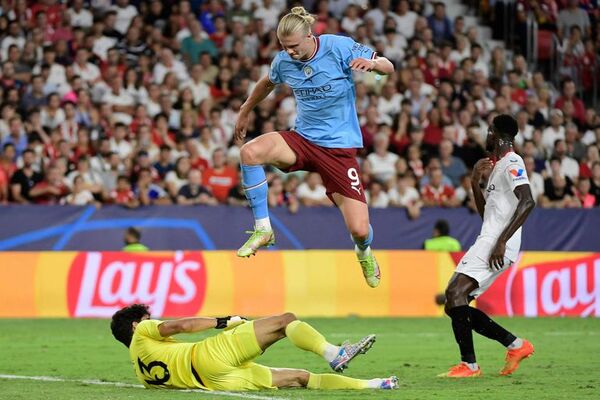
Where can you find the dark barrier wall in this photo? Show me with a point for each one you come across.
(214, 228)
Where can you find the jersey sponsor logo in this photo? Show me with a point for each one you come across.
(518, 174)
(99, 284)
(315, 93)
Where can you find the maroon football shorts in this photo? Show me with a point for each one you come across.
(338, 167)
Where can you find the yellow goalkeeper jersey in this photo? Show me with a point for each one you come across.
(161, 362)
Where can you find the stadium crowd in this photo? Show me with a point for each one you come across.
(134, 103)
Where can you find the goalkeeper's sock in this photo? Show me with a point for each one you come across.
(332, 381)
(305, 337)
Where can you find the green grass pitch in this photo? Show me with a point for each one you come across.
(566, 364)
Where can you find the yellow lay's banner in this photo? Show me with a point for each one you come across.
(309, 283)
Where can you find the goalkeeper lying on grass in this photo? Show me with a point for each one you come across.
(226, 361)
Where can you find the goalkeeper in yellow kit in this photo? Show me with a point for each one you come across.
(226, 361)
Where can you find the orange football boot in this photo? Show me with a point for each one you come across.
(461, 370)
(514, 357)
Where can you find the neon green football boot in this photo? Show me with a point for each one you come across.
(258, 238)
(370, 268)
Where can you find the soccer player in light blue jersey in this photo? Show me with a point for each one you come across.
(326, 134)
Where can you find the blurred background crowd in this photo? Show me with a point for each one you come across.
(135, 102)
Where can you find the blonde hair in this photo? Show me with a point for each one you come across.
(298, 20)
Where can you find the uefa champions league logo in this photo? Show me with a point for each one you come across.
(308, 71)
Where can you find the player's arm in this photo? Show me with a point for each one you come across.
(381, 65)
(196, 324)
(262, 89)
(480, 167)
(524, 207)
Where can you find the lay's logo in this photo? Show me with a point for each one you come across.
(516, 172)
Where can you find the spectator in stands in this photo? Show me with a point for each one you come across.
(405, 19)
(440, 23)
(312, 193)
(280, 197)
(149, 193)
(376, 195)
(558, 192)
(193, 192)
(196, 44)
(441, 240)
(91, 181)
(119, 144)
(16, 135)
(383, 161)
(25, 179)
(554, 132)
(35, 98)
(452, 167)
(436, 193)
(79, 16)
(568, 166)
(536, 181)
(120, 101)
(132, 240)
(464, 193)
(176, 178)
(568, 96)
(575, 148)
(404, 195)
(583, 195)
(79, 196)
(585, 166)
(220, 178)
(51, 190)
(573, 16)
(595, 182)
(122, 194)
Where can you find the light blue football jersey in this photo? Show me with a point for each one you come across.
(324, 91)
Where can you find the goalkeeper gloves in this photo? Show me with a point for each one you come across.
(229, 321)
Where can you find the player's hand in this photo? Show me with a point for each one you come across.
(497, 256)
(481, 166)
(241, 126)
(362, 65)
(229, 321)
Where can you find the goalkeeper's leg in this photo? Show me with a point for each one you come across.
(288, 378)
(305, 337)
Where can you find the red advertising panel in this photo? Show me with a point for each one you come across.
(561, 287)
(101, 283)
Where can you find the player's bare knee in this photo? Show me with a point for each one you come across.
(302, 378)
(454, 294)
(287, 319)
(359, 230)
(250, 154)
